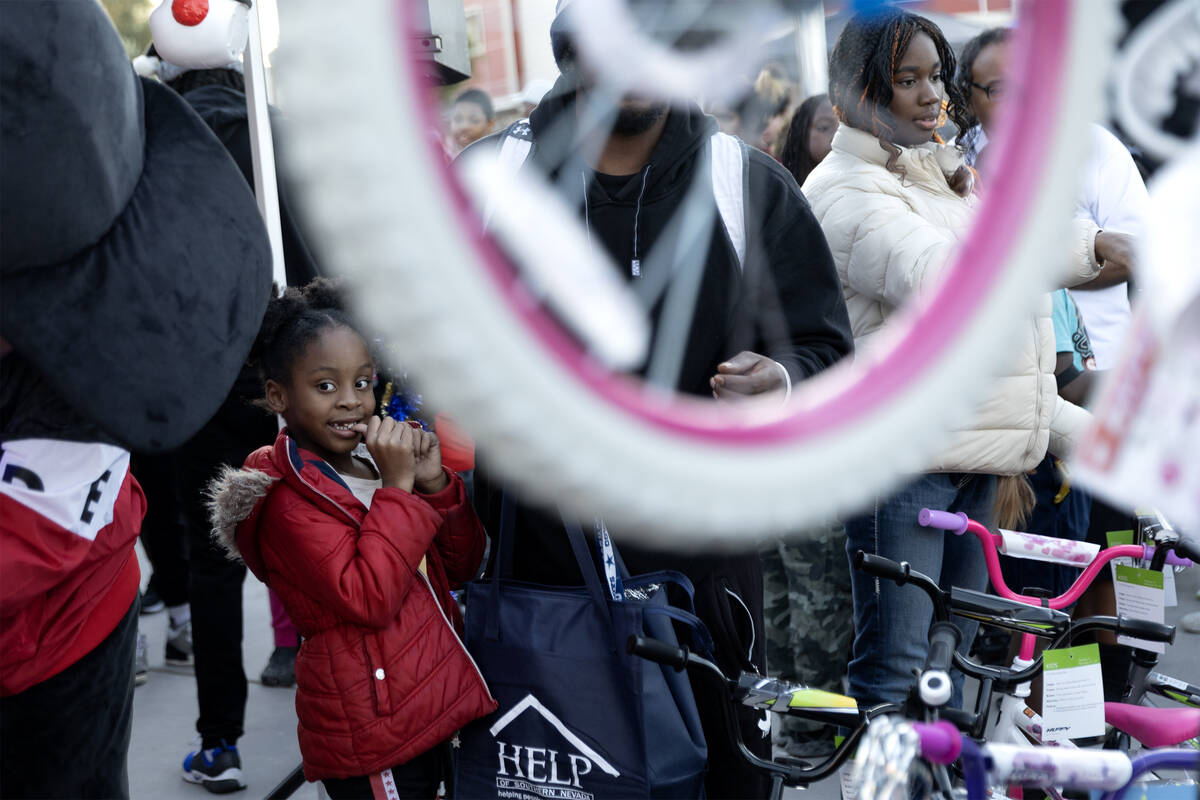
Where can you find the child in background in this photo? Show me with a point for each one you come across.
(808, 137)
(362, 545)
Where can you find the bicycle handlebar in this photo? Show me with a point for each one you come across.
(1178, 555)
(660, 652)
(1188, 548)
(1013, 614)
(882, 567)
(1112, 771)
(1092, 562)
(943, 639)
(954, 523)
(794, 773)
(941, 742)
(934, 686)
(1144, 629)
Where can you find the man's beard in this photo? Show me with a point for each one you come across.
(636, 121)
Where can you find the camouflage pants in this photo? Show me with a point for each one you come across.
(808, 609)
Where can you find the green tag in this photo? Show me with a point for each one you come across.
(1139, 577)
(1119, 537)
(1081, 656)
(1072, 693)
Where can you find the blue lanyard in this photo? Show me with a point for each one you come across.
(608, 557)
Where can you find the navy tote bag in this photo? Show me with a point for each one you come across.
(579, 718)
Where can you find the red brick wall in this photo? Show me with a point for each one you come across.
(491, 63)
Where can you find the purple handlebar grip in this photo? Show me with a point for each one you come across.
(955, 523)
(1172, 558)
(1155, 760)
(941, 742)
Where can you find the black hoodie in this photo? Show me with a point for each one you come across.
(785, 302)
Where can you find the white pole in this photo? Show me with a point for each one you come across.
(262, 149)
(812, 53)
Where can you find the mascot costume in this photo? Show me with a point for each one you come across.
(135, 272)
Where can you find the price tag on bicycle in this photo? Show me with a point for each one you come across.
(1139, 595)
(1115, 538)
(1072, 694)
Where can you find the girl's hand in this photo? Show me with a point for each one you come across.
(393, 446)
(430, 477)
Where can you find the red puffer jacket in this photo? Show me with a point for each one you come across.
(382, 675)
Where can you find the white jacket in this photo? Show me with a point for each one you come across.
(890, 237)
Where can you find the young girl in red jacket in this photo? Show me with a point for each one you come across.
(358, 528)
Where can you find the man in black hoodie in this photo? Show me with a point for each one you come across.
(632, 181)
(238, 428)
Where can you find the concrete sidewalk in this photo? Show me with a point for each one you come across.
(164, 709)
(164, 714)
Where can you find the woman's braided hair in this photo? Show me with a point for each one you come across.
(293, 321)
(862, 66)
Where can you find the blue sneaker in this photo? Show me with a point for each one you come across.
(218, 770)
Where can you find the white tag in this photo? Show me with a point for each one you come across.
(1170, 599)
(635, 267)
(1072, 693)
(1140, 596)
(1145, 433)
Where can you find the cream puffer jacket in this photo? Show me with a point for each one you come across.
(891, 237)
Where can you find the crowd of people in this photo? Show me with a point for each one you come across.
(854, 204)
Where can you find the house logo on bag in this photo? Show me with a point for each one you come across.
(526, 772)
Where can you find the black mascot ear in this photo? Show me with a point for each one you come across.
(135, 265)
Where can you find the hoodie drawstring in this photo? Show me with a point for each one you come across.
(587, 220)
(635, 266)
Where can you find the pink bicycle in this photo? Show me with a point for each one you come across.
(1013, 721)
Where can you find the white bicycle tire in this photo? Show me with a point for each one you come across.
(386, 215)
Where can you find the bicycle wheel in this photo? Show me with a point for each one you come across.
(563, 428)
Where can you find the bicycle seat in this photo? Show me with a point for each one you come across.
(1154, 727)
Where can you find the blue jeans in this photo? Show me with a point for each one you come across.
(891, 623)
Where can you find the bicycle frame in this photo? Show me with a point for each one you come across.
(1076, 554)
(778, 697)
(1014, 723)
(1168, 687)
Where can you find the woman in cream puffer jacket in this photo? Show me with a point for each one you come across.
(894, 204)
(891, 238)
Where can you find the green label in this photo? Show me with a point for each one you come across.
(1140, 577)
(1082, 656)
(1119, 537)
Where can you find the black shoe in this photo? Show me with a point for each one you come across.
(151, 602)
(218, 770)
(281, 669)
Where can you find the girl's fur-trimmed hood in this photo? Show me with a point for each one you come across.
(232, 497)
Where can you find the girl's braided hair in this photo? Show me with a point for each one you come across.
(293, 321)
(862, 66)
